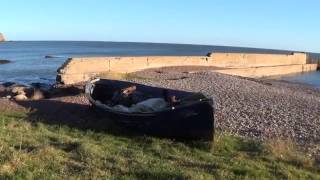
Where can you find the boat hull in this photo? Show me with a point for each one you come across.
(192, 121)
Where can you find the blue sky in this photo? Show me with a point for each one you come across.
(277, 24)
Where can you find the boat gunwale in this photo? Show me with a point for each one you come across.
(90, 86)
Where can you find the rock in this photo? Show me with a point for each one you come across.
(51, 56)
(19, 90)
(41, 86)
(3, 61)
(20, 97)
(37, 95)
(48, 56)
(210, 54)
(36, 91)
(2, 38)
(40, 91)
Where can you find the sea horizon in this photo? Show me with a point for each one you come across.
(174, 43)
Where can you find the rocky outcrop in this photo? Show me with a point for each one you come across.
(38, 91)
(2, 38)
(34, 91)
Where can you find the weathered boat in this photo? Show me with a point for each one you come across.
(191, 119)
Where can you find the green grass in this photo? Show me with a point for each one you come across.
(34, 150)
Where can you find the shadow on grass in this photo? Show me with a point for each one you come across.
(84, 117)
(251, 147)
(230, 146)
(78, 116)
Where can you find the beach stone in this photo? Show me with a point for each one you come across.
(20, 97)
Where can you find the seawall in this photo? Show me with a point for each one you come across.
(265, 71)
(256, 60)
(249, 65)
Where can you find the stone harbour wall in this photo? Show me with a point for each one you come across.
(256, 60)
(251, 65)
(264, 71)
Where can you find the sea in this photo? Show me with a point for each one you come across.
(29, 63)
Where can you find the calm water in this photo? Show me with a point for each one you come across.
(30, 65)
(312, 78)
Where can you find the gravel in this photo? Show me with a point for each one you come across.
(249, 107)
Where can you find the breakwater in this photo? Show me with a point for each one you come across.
(76, 70)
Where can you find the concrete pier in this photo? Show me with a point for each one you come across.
(76, 70)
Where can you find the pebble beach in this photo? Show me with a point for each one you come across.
(257, 108)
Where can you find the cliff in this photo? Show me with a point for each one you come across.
(2, 38)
